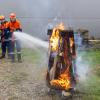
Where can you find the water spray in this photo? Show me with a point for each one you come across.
(29, 41)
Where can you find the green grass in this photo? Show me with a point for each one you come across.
(91, 88)
(92, 56)
(30, 55)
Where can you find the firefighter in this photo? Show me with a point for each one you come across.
(5, 36)
(14, 25)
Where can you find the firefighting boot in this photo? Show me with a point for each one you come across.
(19, 58)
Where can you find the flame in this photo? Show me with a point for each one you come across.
(71, 42)
(62, 83)
(60, 26)
(54, 40)
(55, 37)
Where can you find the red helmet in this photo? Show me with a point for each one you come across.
(12, 15)
(2, 17)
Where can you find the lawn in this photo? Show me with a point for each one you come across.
(91, 87)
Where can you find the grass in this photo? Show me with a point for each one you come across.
(91, 88)
(31, 55)
(95, 57)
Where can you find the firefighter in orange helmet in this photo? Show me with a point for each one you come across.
(14, 25)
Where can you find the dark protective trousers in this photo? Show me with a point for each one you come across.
(6, 47)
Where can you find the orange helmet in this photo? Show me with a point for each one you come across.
(2, 17)
(12, 15)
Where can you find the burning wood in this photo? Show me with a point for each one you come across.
(62, 50)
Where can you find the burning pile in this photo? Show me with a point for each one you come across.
(60, 61)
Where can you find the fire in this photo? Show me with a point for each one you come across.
(54, 40)
(55, 37)
(63, 81)
(71, 42)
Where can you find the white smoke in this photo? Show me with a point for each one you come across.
(83, 67)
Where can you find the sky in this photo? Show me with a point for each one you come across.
(37, 15)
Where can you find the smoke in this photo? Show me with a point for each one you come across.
(83, 67)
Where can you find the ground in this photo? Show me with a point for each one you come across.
(26, 80)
